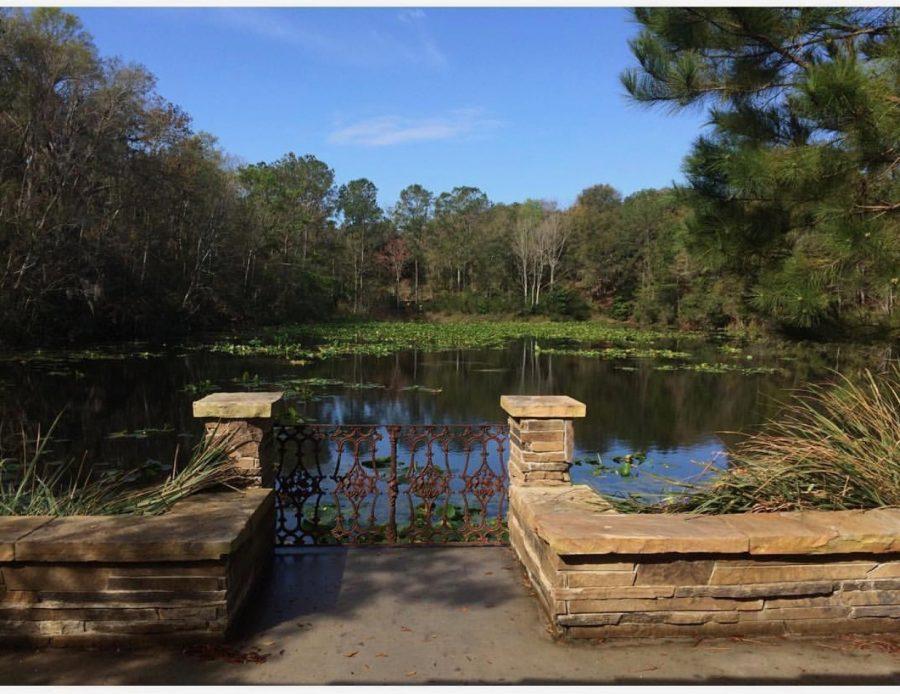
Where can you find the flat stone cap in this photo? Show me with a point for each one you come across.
(205, 526)
(239, 405)
(574, 525)
(542, 406)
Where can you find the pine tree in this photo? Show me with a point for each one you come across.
(795, 187)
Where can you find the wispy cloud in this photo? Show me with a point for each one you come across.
(404, 39)
(395, 130)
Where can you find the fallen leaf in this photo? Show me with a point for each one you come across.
(350, 654)
(405, 629)
(228, 654)
(381, 655)
(411, 673)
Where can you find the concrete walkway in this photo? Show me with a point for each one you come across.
(452, 615)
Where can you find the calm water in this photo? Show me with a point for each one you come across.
(125, 410)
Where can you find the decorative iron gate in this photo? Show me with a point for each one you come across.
(391, 484)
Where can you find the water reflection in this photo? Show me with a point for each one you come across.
(114, 409)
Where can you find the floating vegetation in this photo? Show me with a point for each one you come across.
(66, 373)
(424, 389)
(140, 433)
(310, 342)
(380, 463)
(718, 368)
(316, 382)
(625, 465)
(616, 352)
(200, 388)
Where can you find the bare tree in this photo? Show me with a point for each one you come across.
(554, 234)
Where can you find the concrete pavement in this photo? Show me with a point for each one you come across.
(445, 615)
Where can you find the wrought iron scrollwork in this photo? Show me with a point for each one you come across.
(391, 484)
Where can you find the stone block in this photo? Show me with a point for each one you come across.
(684, 618)
(41, 628)
(879, 584)
(790, 613)
(542, 406)
(569, 447)
(889, 611)
(55, 578)
(531, 548)
(805, 601)
(218, 522)
(14, 528)
(889, 569)
(36, 613)
(127, 627)
(239, 405)
(532, 437)
(763, 572)
(590, 619)
(876, 531)
(593, 579)
(709, 629)
(664, 604)
(758, 590)
(674, 573)
(598, 563)
(556, 448)
(172, 583)
(195, 614)
(829, 627)
(615, 593)
(578, 530)
(528, 425)
(871, 597)
(539, 458)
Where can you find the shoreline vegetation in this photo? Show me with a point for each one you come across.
(119, 220)
(34, 482)
(832, 447)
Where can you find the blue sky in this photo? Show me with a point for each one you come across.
(519, 102)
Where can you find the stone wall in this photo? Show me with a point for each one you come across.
(600, 574)
(182, 576)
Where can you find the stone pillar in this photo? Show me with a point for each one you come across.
(246, 419)
(541, 438)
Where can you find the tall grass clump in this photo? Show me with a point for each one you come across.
(832, 447)
(34, 484)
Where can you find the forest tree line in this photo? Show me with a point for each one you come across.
(117, 219)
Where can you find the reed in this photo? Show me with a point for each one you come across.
(832, 447)
(33, 484)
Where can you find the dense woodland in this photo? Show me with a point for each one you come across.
(117, 219)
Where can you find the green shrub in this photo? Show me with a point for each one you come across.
(564, 302)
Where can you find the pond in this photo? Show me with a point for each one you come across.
(124, 405)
